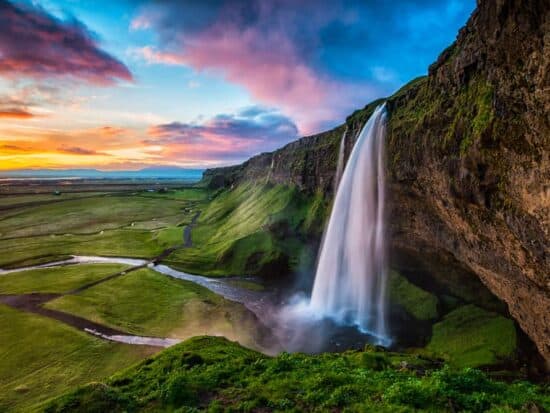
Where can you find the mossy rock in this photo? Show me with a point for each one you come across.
(417, 302)
(470, 337)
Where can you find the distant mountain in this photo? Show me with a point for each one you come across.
(155, 172)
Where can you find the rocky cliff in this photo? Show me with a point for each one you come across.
(468, 164)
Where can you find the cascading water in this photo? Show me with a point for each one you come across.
(350, 282)
(340, 164)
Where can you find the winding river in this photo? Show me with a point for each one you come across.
(255, 301)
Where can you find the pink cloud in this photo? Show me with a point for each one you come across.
(150, 55)
(263, 58)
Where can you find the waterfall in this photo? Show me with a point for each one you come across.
(340, 164)
(350, 282)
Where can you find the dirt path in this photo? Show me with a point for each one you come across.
(34, 303)
(102, 280)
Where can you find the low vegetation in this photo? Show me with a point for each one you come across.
(141, 224)
(417, 302)
(215, 375)
(470, 336)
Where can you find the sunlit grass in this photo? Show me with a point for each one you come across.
(57, 279)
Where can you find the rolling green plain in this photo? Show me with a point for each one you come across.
(41, 357)
(261, 230)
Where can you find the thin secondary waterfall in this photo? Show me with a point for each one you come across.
(350, 283)
(340, 164)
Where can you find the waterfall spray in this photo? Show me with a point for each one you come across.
(350, 282)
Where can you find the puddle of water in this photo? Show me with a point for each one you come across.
(136, 340)
(80, 259)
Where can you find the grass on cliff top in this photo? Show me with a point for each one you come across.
(419, 303)
(41, 358)
(147, 303)
(470, 336)
(215, 375)
(57, 279)
(245, 229)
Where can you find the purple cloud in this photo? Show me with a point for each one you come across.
(226, 136)
(75, 150)
(35, 44)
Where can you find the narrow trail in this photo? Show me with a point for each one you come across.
(187, 241)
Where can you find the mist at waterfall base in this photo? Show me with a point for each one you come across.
(347, 307)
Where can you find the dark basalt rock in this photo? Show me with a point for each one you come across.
(474, 187)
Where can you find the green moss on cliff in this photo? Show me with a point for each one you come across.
(454, 122)
(417, 302)
(470, 336)
(253, 229)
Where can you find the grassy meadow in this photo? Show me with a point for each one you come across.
(253, 229)
(133, 224)
(146, 303)
(40, 358)
(56, 279)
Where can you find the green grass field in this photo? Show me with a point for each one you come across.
(140, 225)
(57, 279)
(90, 215)
(40, 358)
(146, 303)
(21, 200)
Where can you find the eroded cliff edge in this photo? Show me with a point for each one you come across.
(468, 163)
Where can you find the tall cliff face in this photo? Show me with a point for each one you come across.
(468, 150)
(468, 164)
(309, 163)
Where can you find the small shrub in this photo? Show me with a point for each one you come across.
(411, 392)
(178, 390)
(374, 361)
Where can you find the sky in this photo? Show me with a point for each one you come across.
(126, 84)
